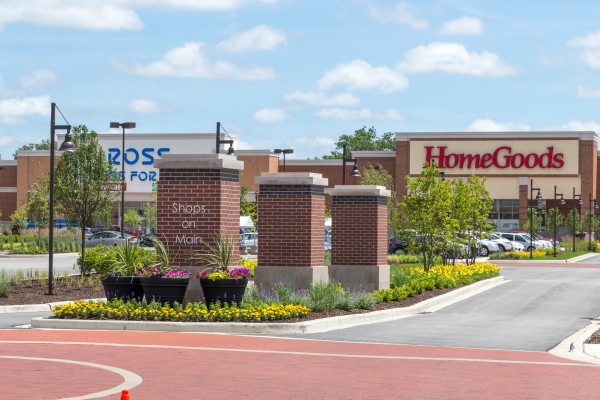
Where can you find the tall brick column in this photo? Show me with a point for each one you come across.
(291, 229)
(198, 197)
(359, 235)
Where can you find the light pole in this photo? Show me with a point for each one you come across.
(538, 198)
(220, 141)
(355, 172)
(575, 196)
(124, 125)
(562, 203)
(592, 215)
(67, 145)
(284, 152)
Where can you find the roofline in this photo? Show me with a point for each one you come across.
(581, 135)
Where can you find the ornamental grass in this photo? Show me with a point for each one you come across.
(133, 310)
(411, 281)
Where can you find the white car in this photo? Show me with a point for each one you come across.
(524, 239)
(503, 244)
(487, 246)
(108, 238)
(517, 246)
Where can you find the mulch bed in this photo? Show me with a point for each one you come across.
(595, 338)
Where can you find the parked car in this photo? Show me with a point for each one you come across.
(147, 240)
(397, 245)
(108, 238)
(517, 246)
(327, 243)
(524, 239)
(546, 243)
(503, 244)
(487, 246)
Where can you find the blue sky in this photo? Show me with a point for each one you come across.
(298, 74)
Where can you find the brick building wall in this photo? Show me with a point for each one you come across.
(8, 189)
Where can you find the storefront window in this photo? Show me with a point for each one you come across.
(506, 214)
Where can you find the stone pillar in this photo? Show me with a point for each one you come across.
(198, 197)
(291, 229)
(359, 237)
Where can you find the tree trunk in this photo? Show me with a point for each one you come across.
(82, 266)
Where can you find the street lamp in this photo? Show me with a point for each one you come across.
(124, 125)
(538, 198)
(67, 145)
(562, 203)
(220, 141)
(592, 215)
(284, 152)
(355, 172)
(575, 196)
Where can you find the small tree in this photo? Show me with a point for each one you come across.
(247, 208)
(19, 217)
(150, 209)
(553, 214)
(537, 222)
(38, 207)
(573, 223)
(132, 219)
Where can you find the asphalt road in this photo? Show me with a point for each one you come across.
(535, 310)
(38, 263)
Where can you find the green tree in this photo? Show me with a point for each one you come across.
(537, 222)
(428, 206)
(363, 140)
(150, 209)
(38, 206)
(378, 176)
(247, 207)
(19, 217)
(573, 223)
(132, 219)
(43, 145)
(560, 221)
(82, 188)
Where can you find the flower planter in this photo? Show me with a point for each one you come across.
(223, 290)
(123, 287)
(168, 290)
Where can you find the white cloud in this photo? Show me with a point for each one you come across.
(271, 115)
(38, 79)
(79, 14)
(591, 58)
(589, 40)
(13, 111)
(322, 99)
(145, 106)
(454, 58)
(577, 125)
(198, 5)
(261, 38)
(462, 26)
(487, 125)
(583, 92)
(6, 140)
(359, 74)
(402, 13)
(189, 61)
(362, 113)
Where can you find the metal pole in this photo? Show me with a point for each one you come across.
(218, 137)
(531, 220)
(343, 164)
(590, 226)
(51, 205)
(573, 222)
(555, 212)
(123, 186)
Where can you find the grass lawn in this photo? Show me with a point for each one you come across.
(565, 255)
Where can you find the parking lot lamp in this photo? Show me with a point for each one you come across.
(284, 152)
(220, 141)
(538, 198)
(67, 145)
(575, 196)
(124, 125)
(355, 172)
(562, 203)
(592, 215)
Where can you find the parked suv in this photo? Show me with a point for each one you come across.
(503, 244)
(487, 246)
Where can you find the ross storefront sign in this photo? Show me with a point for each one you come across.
(503, 157)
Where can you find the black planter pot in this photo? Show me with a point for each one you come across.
(168, 290)
(123, 287)
(223, 290)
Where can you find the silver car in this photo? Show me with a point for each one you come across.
(487, 246)
(108, 239)
(503, 244)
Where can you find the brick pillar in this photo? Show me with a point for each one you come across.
(198, 197)
(359, 234)
(291, 229)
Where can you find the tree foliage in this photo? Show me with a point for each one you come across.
(363, 139)
(378, 176)
(552, 215)
(150, 209)
(43, 145)
(132, 219)
(82, 187)
(38, 206)
(537, 222)
(247, 208)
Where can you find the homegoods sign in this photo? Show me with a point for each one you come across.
(497, 157)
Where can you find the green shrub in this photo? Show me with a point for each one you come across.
(396, 259)
(119, 260)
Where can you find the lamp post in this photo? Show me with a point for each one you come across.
(538, 198)
(220, 141)
(355, 172)
(67, 145)
(124, 125)
(592, 215)
(562, 202)
(284, 152)
(575, 196)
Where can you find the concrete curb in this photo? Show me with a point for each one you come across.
(25, 308)
(567, 261)
(6, 255)
(321, 325)
(574, 347)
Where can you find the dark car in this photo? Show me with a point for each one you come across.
(147, 240)
(397, 245)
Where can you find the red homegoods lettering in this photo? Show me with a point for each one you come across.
(501, 158)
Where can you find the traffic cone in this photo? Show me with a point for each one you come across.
(125, 395)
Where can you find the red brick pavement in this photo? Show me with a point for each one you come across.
(211, 366)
